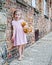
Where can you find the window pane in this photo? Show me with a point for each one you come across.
(45, 8)
(33, 3)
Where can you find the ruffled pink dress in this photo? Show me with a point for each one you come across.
(20, 36)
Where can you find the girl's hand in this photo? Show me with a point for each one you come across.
(12, 39)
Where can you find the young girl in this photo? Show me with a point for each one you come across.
(19, 36)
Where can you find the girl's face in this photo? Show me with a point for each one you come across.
(18, 15)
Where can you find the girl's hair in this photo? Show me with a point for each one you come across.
(18, 10)
(14, 13)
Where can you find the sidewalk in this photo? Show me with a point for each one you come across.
(39, 53)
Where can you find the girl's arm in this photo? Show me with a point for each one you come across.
(13, 37)
(13, 31)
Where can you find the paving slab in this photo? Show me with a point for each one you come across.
(40, 53)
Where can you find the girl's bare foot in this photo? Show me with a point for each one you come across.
(20, 58)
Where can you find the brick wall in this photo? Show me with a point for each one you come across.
(10, 7)
(37, 21)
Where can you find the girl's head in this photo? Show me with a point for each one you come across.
(17, 14)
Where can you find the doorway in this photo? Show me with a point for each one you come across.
(36, 34)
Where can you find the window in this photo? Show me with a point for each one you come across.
(45, 8)
(33, 3)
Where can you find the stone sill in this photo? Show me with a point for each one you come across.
(36, 10)
(22, 3)
(27, 5)
(51, 19)
(46, 17)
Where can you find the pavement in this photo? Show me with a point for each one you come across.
(40, 53)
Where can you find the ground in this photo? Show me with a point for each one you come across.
(40, 53)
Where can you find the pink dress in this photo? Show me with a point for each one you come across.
(20, 36)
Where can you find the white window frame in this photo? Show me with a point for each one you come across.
(45, 8)
(34, 3)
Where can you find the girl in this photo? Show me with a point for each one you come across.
(19, 36)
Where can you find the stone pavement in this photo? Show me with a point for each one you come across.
(39, 53)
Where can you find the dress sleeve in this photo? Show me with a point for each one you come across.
(12, 23)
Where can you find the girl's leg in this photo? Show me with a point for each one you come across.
(23, 50)
(20, 52)
(17, 50)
